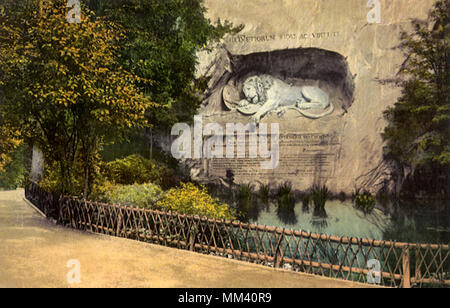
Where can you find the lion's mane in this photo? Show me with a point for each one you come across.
(262, 84)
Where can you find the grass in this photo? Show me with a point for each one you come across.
(245, 192)
(284, 189)
(245, 196)
(319, 196)
(286, 204)
(285, 196)
(264, 192)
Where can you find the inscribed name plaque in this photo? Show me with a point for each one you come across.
(304, 159)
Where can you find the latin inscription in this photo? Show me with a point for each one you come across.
(241, 38)
(301, 157)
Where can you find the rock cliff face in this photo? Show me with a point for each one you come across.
(332, 45)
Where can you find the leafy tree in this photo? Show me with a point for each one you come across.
(9, 141)
(62, 86)
(10, 137)
(418, 134)
(161, 44)
(16, 170)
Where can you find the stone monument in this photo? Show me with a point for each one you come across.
(319, 69)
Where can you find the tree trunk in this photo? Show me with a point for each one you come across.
(86, 182)
(63, 174)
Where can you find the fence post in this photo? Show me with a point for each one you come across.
(278, 258)
(119, 223)
(418, 273)
(406, 271)
(60, 211)
(192, 235)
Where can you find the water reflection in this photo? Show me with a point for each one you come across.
(319, 219)
(305, 208)
(343, 219)
(416, 223)
(249, 209)
(422, 223)
(287, 216)
(285, 209)
(319, 224)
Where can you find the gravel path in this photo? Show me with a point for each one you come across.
(34, 252)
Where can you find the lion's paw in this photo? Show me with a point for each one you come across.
(255, 119)
(243, 103)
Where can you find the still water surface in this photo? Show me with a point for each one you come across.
(407, 223)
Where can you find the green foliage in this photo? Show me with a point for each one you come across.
(135, 142)
(136, 169)
(286, 201)
(319, 196)
(15, 171)
(245, 192)
(142, 195)
(364, 201)
(418, 135)
(161, 44)
(285, 196)
(245, 199)
(62, 84)
(306, 199)
(192, 200)
(284, 189)
(264, 193)
(9, 142)
(356, 193)
(53, 181)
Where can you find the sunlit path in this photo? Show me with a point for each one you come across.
(34, 253)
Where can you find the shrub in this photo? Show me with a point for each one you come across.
(136, 169)
(356, 193)
(365, 201)
(192, 200)
(245, 192)
(319, 196)
(53, 181)
(15, 171)
(142, 195)
(245, 199)
(284, 189)
(286, 204)
(286, 200)
(264, 193)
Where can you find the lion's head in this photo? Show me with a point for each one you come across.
(255, 88)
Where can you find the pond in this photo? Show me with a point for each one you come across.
(413, 222)
(405, 223)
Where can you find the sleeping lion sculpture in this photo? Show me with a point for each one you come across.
(265, 94)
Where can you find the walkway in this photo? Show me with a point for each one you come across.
(34, 253)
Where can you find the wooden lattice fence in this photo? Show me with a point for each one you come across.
(396, 264)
